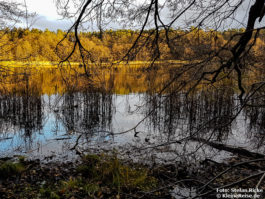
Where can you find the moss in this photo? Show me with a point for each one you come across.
(21, 159)
(48, 193)
(89, 168)
(9, 168)
(91, 189)
(110, 171)
(78, 184)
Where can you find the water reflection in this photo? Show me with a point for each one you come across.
(33, 121)
(196, 114)
(22, 112)
(87, 111)
(255, 117)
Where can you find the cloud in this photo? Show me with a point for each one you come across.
(48, 18)
(43, 22)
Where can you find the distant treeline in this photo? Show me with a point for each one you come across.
(36, 45)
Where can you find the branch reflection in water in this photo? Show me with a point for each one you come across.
(41, 116)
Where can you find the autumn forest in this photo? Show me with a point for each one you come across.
(112, 45)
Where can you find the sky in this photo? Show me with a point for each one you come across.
(49, 18)
(47, 15)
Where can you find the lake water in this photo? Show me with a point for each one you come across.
(49, 115)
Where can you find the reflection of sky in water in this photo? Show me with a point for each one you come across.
(55, 138)
(22, 143)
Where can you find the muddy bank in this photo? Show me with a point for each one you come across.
(106, 176)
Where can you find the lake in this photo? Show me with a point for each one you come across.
(53, 114)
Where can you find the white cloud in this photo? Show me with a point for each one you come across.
(44, 22)
(47, 16)
(45, 8)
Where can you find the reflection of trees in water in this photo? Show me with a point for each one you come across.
(201, 113)
(255, 117)
(206, 124)
(22, 110)
(206, 114)
(87, 111)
